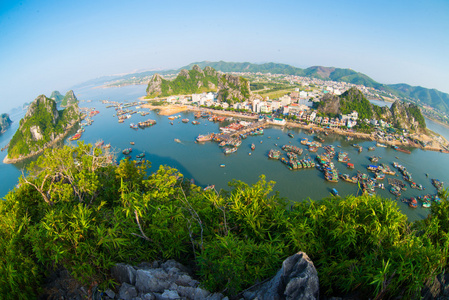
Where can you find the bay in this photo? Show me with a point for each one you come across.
(201, 161)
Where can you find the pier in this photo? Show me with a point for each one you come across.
(245, 130)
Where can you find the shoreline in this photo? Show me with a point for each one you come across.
(176, 108)
(61, 136)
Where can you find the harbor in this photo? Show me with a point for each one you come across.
(175, 145)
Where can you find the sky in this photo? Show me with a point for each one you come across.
(54, 45)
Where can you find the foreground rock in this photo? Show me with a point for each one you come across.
(297, 279)
(158, 281)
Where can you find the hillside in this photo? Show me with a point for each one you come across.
(42, 124)
(434, 98)
(69, 99)
(401, 115)
(230, 88)
(56, 95)
(5, 122)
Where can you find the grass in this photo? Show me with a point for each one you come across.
(275, 94)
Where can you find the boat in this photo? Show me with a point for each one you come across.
(350, 165)
(291, 135)
(274, 154)
(132, 143)
(334, 192)
(230, 150)
(209, 187)
(107, 146)
(372, 148)
(204, 138)
(178, 140)
(222, 165)
(381, 145)
(127, 151)
(195, 122)
(75, 137)
(413, 203)
(99, 144)
(253, 146)
(141, 155)
(185, 120)
(133, 126)
(401, 150)
(360, 149)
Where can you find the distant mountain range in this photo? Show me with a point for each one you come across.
(431, 97)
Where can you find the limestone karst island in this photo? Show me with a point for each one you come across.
(227, 181)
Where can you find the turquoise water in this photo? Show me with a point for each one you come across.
(201, 161)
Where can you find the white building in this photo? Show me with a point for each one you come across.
(285, 100)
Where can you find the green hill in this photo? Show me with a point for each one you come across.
(56, 95)
(42, 124)
(230, 89)
(69, 99)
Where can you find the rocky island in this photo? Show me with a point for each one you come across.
(42, 126)
(5, 122)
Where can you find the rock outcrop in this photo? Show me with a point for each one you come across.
(230, 88)
(297, 279)
(400, 115)
(56, 95)
(42, 125)
(69, 99)
(5, 122)
(162, 281)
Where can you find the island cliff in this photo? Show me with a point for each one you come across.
(42, 126)
(5, 122)
(400, 114)
(230, 88)
(69, 99)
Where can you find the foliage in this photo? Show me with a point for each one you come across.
(364, 243)
(75, 208)
(22, 143)
(352, 100)
(417, 115)
(188, 82)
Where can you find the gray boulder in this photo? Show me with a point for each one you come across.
(124, 273)
(297, 279)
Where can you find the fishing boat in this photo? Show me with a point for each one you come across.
(334, 192)
(107, 146)
(274, 154)
(140, 155)
(372, 148)
(381, 145)
(99, 144)
(350, 165)
(209, 187)
(127, 151)
(253, 146)
(401, 150)
(185, 120)
(195, 122)
(413, 203)
(133, 126)
(132, 143)
(204, 138)
(291, 135)
(230, 150)
(178, 140)
(75, 137)
(222, 165)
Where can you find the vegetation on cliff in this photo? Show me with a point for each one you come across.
(230, 88)
(41, 124)
(5, 122)
(401, 115)
(69, 99)
(56, 95)
(75, 209)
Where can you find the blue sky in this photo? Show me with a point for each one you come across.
(53, 45)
